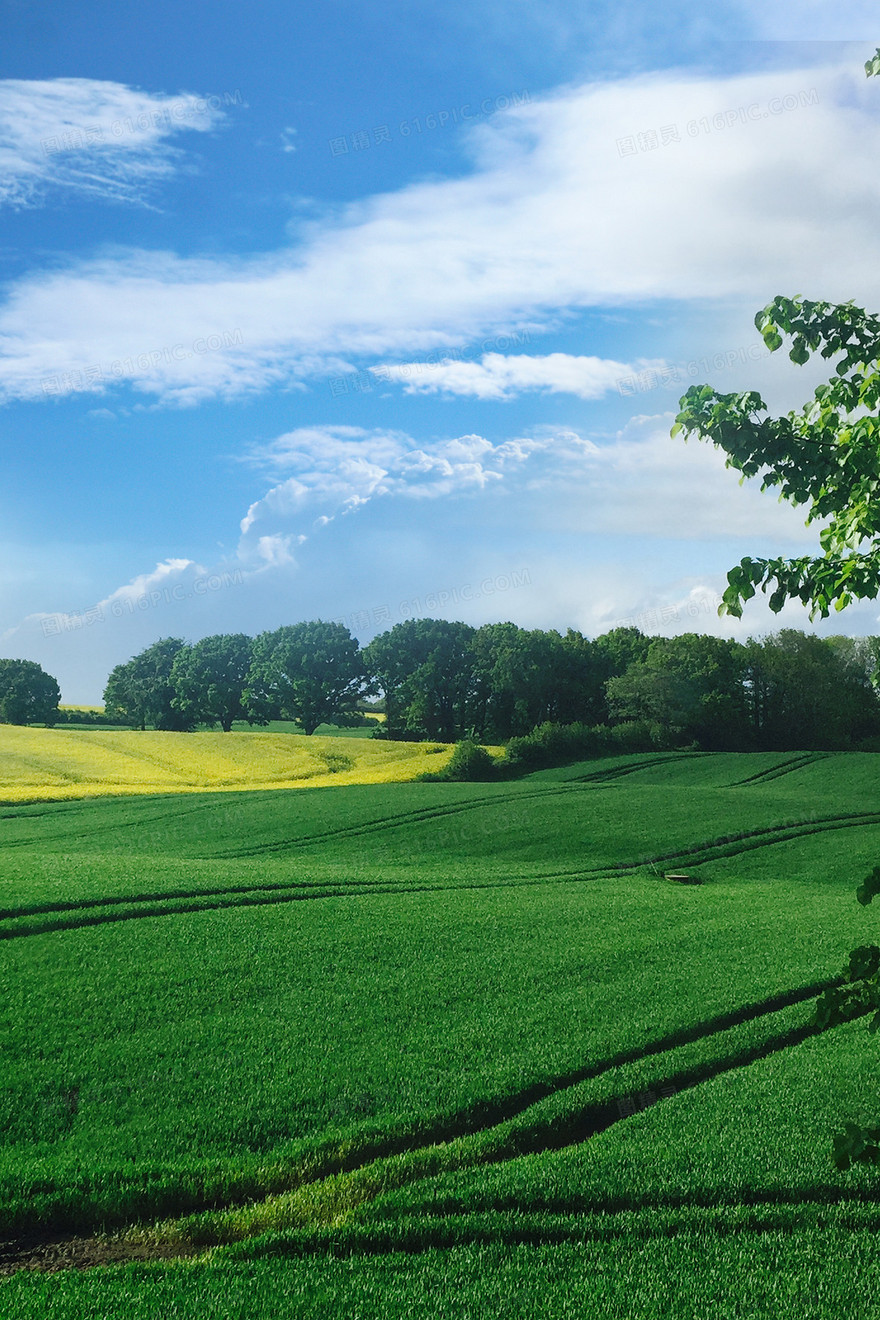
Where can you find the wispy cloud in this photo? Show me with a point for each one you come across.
(98, 139)
(338, 469)
(349, 492)
(638, 482)
(500, 376)
(132, 597)
(575, 201)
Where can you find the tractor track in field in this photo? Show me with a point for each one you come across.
(79, 804)
(766, 836)
(788, 767)
(399, 821)
(94, 912)
(428, 1233)
(53, 1251)
(594, 780)
(428, 815)
(620, 771)
(304, 840)
(50, 1251)
(48, 1255)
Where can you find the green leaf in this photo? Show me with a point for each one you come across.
(825, 1010)
(869, 888)
(864, 962)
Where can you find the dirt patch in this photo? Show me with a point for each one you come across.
(47, 1255)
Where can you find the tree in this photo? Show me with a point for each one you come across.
(654, 697)
(861, 655)
(123, 700)
(688, 688)
(524, 678)
(808, 692)
(28, 695)
(588, 666)
(620, 648)
(141, 691)
(614, 652)
(310, 672)
(209, 678)
(825, 455)
(427, 670)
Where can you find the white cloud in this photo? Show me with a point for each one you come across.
(669, 608)
(99, 139)
(143, 592)
(636, 526)
(338, 469)
(500, 376)
(145, 584)
(562, 210)
(639, 483)
(275, 550)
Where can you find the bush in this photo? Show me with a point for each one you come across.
(73, 715)
(635, 736)
(469, 763)
(555, 744)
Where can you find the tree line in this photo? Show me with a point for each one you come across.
(449, 681)
(792, 690)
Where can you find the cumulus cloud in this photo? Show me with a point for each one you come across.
(758, 183)
(500, 376)
(99, 139)
(275, 551)
(338, 469)
(639, 482)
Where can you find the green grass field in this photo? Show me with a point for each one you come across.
(441, 1049)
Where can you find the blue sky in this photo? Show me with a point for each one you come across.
(370, 311)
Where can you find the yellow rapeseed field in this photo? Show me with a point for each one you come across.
(38, 765)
